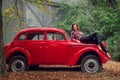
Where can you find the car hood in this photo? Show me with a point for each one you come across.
(74, 43)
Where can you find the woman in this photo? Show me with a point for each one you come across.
(93, 38)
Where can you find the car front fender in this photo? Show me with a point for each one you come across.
(22, 51)
(77, 55)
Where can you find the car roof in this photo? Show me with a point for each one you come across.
(41, 29)
(38, 29)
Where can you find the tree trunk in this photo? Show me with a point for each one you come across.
(2, 57)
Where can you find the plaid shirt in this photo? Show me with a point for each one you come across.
(76, 34)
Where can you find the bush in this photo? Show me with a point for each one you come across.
(94, 18)
(114, 47)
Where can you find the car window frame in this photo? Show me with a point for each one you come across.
(55, 35)
(37, 39)
(21, 35)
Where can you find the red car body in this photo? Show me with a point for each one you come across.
(49, 46)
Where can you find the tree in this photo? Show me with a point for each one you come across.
(2, 58)
(14, 11)
(100, 16)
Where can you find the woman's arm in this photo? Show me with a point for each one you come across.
(75, 36)
(76, 40)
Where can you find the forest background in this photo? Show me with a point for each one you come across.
(102, 16)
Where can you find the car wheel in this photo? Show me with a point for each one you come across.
(91, 64)
(17, 63)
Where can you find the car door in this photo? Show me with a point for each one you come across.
(56, 49)
(34, 45)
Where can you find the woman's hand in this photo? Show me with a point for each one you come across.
(76, 40)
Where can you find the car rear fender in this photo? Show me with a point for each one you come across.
(81, 52)
(20, 50)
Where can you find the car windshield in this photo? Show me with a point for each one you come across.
(67, 36)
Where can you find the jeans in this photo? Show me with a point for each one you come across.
(93, 39)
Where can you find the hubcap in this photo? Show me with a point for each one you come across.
(91, 65)
(18, 65)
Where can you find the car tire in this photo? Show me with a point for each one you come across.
(91, 64)
(17, 63)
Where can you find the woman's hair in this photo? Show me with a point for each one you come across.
(74, 24)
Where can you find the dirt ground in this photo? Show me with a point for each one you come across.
(111, 71)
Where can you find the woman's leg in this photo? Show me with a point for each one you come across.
(102, 47)
(104, 50)
(92, 38)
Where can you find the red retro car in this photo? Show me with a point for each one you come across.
(51, 46)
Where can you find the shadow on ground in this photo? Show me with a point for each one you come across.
(56, 69)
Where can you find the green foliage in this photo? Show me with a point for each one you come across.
(113, 45)
(13, 15)
(97, 17)
(72, 14)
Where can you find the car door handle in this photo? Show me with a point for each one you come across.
(45, 46)
(69, 46)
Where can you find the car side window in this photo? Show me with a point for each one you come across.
(54, 36)
(60, 36)
(50, 36)
(35, 35)
(22, 36)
